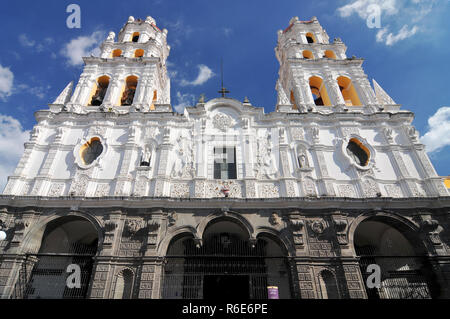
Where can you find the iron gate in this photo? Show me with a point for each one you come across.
(44, 275)
(224, 267)
(402, 277)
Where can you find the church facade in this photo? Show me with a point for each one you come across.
(132, 200)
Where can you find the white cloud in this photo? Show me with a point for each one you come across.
(204, 75)
(81, 47)
(360, 7)
(38, 91)
(438, 135)
(26, 42)
(6, 82)
(12, 137)
(404, 33)
(227, 31)
(184, 100)
(395, 16)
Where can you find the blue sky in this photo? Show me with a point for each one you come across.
(408, 55)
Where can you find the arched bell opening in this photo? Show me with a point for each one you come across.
(308, 54)
(348, 91)
(400, 255)
(310, 38)
(139, 53)
(63, 266)
(117, 53)
(330, 54)
(225, 264)
(99, 91)
(319, 91)
(129, 91)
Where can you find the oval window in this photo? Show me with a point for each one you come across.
(90, 151)
(357, 151)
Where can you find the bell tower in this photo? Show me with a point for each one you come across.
(316, 75)
(130, 74)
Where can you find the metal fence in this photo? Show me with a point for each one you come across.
(44, 275)
(402, 277)
(224, 267)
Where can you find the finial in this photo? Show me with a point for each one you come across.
(111, 37)
(150, 20)
(130, 19)
(201, 100)
(246, 100)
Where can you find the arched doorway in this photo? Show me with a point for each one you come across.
(405, 269)
(70, 240)
(227, 265)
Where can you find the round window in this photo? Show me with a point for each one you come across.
(90, 151)
(358, 152)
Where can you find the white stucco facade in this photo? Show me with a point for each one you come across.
(181, 146)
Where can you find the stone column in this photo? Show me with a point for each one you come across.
(337, 98)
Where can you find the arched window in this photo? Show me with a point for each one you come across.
(117, 53)
(124, 285)
(330, 54)
(359, 152)
(99, 91)
(348, 91)
(135, 37)
(308, 54)
(155, 98)
(129, 91)
(139, 53)
(328, 285)
(310, 38)
(319, 91)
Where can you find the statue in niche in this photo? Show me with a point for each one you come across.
(146, 157)
(302, 159)
(265, 164)
(183, 160)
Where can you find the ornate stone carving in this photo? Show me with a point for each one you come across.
(388, 134)
(265, 166)
(393, 191)
(183, 166)
(134, 225)
(275, 219)
(310, 187)
(140, 188)
(268, 190)
(102, 190)
(172, 218)
(110, 226)
(315, 134)
(180, 190)
(340, 224)
(347, 131)
(347, 190)
(223, 122)
(79, 185)
(297, 134)
(56, 189)
(317, 226)
(370, 188)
